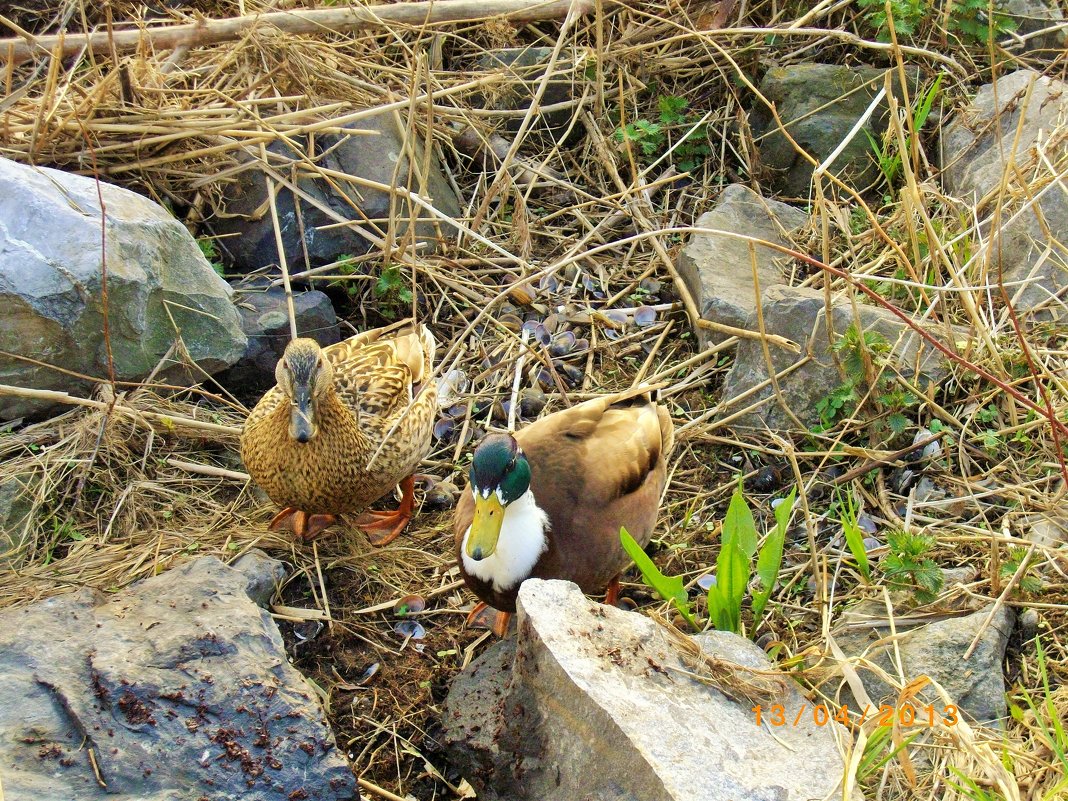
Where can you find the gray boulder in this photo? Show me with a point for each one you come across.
(819, 104)
(717, 270)
(936, 650)
(177, 688)
(246, 229)
(591, 702)
(525, 68)
(265, 321)
(977, 152)
(800, 315)
(1033, 36)
(161, 289)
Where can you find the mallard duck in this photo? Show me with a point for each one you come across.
(549, 501)
(344, 425)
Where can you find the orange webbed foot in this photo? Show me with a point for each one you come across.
(392, 523)
(484, 616)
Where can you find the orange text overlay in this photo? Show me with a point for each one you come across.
(886, 715)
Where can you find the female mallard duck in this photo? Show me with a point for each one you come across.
(549, 501)
(344, 425)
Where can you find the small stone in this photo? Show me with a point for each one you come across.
(248, 235)
(1027, 624)
(717, 269)
(442, 495)
(531, 402)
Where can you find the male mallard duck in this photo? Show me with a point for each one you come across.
(549, 501)
(344, 425)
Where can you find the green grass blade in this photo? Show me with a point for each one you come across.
(854, 537)
(925, 107)
(670, 588)
(769, 560)
(739, 524)
(732, 576)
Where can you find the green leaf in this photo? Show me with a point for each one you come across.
(770, 558)
(854, 537)
(739, 524)
(672, 109)
(725, 597)
(670, 588)
(928, 100)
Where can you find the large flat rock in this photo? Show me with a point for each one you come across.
(801, 316)
(718, 270)
(1012, 135)
(178, 688)
(332, 172)
(591, 702)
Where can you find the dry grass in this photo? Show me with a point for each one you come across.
(563, 234)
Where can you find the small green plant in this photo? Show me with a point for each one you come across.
(653, 138)
(970, 788)
(887, 154)
(670, 588)
(734, 566)
(1044, 721)
(857, 352)
(971, 20)
(393, 293)
(345, 264)
(878, 751)
(769, 559)
(1029, 582)
(851, 347)
(211, 253)
(854, 537)
(907, 566)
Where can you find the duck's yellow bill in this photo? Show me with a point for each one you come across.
(486, 526)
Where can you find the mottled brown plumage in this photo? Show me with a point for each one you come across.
(370, 412)
(594, 467)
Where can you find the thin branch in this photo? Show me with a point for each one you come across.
(19, 49)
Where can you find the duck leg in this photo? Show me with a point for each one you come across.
(484, 616)
(392, 522)
(304, 526)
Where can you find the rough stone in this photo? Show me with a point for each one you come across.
(1032, 16)
(525, 68)
(819, 104)
(247, 230)
(977, 151)
(15, 508)
(265, 321)
(717, 270)
(158, 283)
(800, 315)
(1045, 529)
(936, 650)
(178, 687)
(589, 703)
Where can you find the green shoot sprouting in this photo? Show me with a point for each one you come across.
(670, 588)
